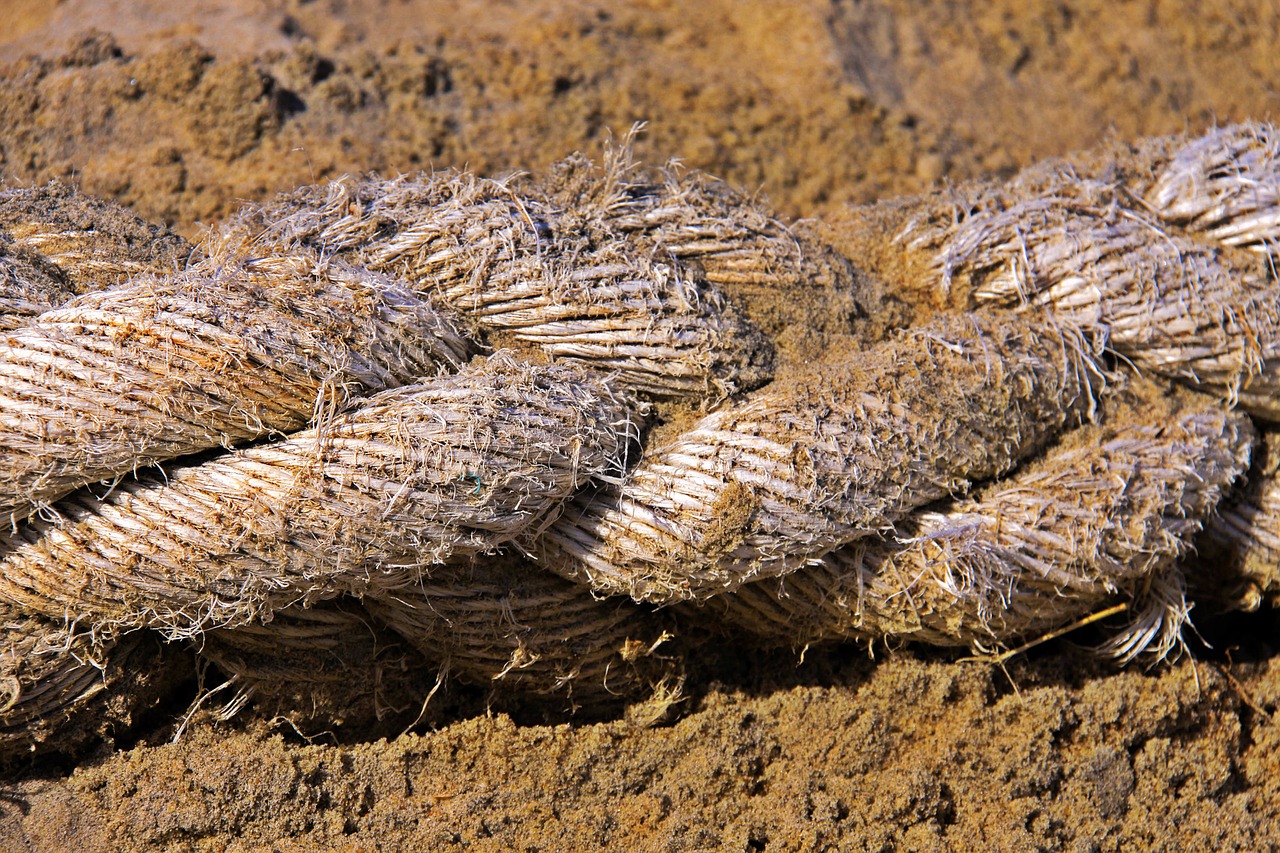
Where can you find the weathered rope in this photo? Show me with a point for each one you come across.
(843, 451)
(219, 355)
(93, 243)
(366, 501)
(1226, 186)
(506, 622)
(56, 243)
(1109, 513)
(60, 688)
(28, 285)
(1170, 305)
(552, 266)
(325, 665)
(831, 503)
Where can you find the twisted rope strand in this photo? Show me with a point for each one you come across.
(416, 476)
(759, 488)
(220, 355)
(1111, 513)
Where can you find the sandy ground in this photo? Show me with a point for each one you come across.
(816, 105)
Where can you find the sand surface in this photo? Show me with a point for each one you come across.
(814, 105)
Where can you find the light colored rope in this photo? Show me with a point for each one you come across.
(1109, 515)
(366, 501)
(216, 356)
(759, 488)
(283, 334)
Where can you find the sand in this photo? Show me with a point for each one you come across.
(815, 106)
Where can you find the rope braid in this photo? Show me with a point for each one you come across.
(759, 488)
(395, 424)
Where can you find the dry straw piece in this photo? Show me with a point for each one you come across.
(506, 622)
(219, 355)
(759, 488)
(364, 502)
(559, 278)
(1107, 515)
(1168, 305)
(1225, 185)
(59, 688)
(328, 665)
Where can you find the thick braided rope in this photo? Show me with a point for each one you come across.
(216, 356)
(507, 622)
(582, 294)
(28, 286)
(366, 501)
(572, 266)
(1112, 511)
(759, 488)
(85, 243)
(1170, 305)
(783, 253)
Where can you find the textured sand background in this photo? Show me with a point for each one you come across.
(815, 105)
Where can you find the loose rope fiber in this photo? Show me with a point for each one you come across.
(1111, 512)
(366, 501)
(759, 488)
(300, 418)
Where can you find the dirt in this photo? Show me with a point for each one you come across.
(816, 106)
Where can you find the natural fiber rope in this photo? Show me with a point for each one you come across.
(759, 488)
(399, 498)
(325, 665)
(28, 287)
(92, 243)
(1170, 305)
(1225, 186)
(60, 688)
(555, 266)
(1110, 513)
(364, 502)
(507, 622)
(216, 356)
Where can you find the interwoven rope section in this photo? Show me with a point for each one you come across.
(376, 432)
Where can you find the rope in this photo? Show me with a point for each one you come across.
(436, 420)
